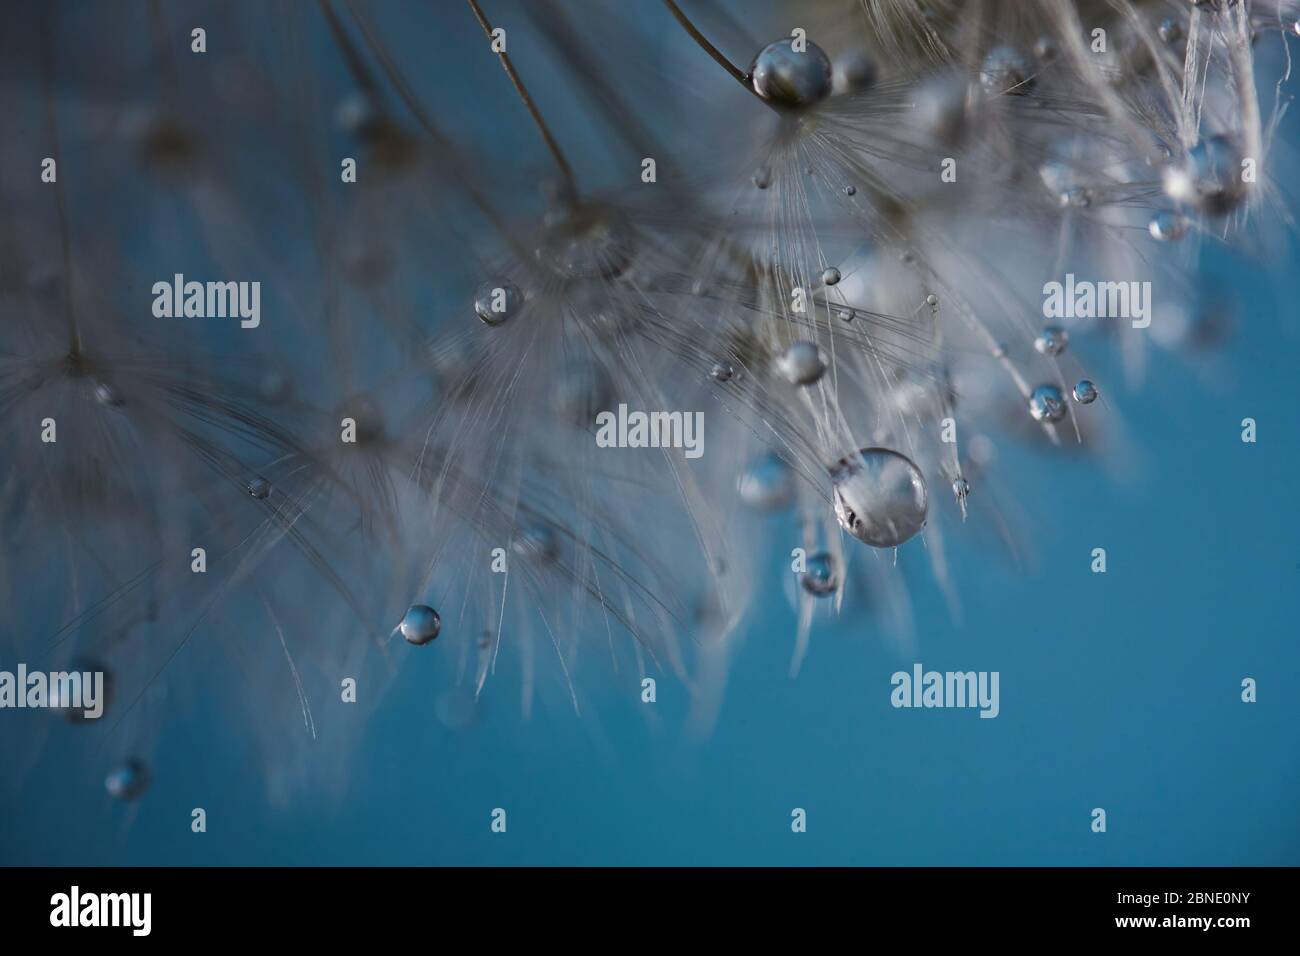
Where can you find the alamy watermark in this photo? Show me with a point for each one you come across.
(209, 300)
(1083, 299)
(59, 690)
(922, 688)
(637, 429)
(74, 908)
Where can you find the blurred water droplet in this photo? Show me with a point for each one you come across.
(1209, 177)
(802, 363)
(819, 578)
(128, 780)
(722, 371)
(1006, 70)
(537, 542)
(1167, 227)
(767, 484)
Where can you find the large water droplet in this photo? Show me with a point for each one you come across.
(767, 484)
(819, 577)
(880, 497)
(802, 363)
(497, 301)
(1047, 404)
(785, 77)
(420, 625)
(128, 780)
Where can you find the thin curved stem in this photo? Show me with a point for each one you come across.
(706, 46)
(551, 143)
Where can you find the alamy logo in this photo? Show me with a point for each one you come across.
(651, 430)
(1098, 300)
(209, 300)
(64, 690)
(923, 688)
(103, 909)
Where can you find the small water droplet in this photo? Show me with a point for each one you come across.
(961, 489)
(763, 178)
(497, 301)
(722, 371)
(819, 578)
(259, 488)
(830, 276)
(850, 190)
(420, 625)
(1051, 341)
(1085, 393)
(1047, 404)
(932, 300)
(128, 780)
(1006, 70)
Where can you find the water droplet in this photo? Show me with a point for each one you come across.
(722, 371)
(420, 625)
(830, 276)
(819, 578)
(1209, 178)
(1171, 31)
(579, 391)
(66, 703)
(106, 394)
(787, 78)
(1047, 404)
(932, 300)
(763, 178)
(1076, 197)
(853, 72)
(1167, 227)
(768, 484)
(850, 190)
(1006, 70)
(961, 489)
(537, 542)
(128, 780)
(498, 300)
(801, 363)
(1085, 393)
(259, 488)
(1051, 341)
(880, 497)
